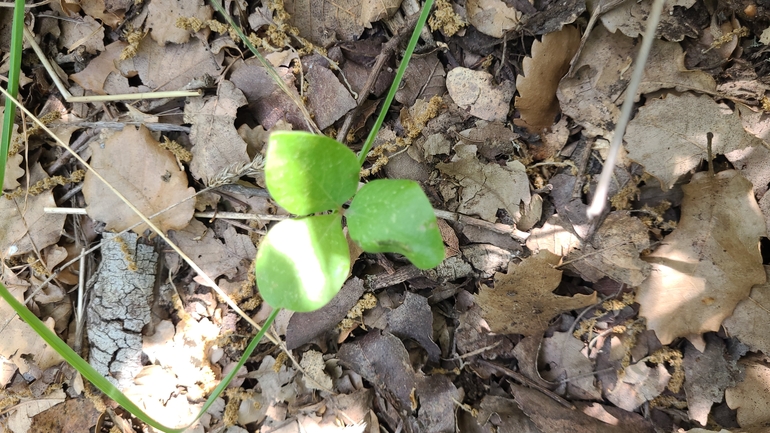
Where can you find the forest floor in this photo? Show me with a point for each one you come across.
(653, 317)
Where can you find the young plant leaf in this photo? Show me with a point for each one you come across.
(302, 263)
(395, 216)
(307, 173)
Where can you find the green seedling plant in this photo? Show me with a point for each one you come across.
(302, 263)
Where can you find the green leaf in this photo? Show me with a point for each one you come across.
(395, 216)
(307, 173)
(302, 263)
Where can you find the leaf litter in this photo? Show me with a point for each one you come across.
(641, 321)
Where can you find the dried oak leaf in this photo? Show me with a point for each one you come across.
(709, 263)
(24, 226)
(133, 162)
(537, 103)
(492, 17)
(216, 143)
(487, 187)
(749, 397)
(668, 136)
(522, 301)
(110, 12)
(475, 91)
(162, 14)
(750, 320)
(638, 384)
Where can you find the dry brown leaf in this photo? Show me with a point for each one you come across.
(614, 251)
(561, 359)
(206, 250)
(709, 263)
(665, 70)
(751, 319)
(151, 62)
(424, 79)
(20, 343)
(550, 416)
(110, 12)
(71, 416)
(487, 187)
(87, 33)
(553, 236)
(476, 92)
(707, 375)
(750, 397)
(375, 10)
(522, 301)
(602, 72)
(95, 74)
(328, 99)
(163, 14)
(638, 384)
(668, 136)
(324, 22)
(590, 96)
(24, 226)
(133, 162)
(267, 102)
(631, 19)
(216, 143)
(13, 171)
(492, 17)
(537, 103)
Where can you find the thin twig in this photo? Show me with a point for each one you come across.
(602, 188)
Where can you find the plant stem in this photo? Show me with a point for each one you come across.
(17, 38)
(396, 81)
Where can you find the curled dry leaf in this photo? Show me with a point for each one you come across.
(133, 163)
(709, 263)
(563, 354)
(522, 301)
(537, 103)
(668, 136)
(325, 23)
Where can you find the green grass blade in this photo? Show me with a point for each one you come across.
(106, 386)
(17, 44)
(396, 81)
